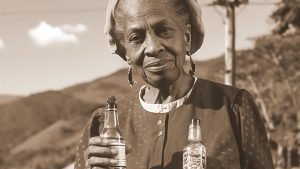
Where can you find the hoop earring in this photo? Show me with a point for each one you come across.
(192, 72)
(129, 75)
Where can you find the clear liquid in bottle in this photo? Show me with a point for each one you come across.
(194, 154)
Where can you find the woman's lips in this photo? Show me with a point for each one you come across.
(158, 66)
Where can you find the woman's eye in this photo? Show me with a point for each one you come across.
(165, 32)
(135, 38)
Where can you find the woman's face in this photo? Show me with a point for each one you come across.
(156, 42)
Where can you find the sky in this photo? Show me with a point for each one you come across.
(53, 44)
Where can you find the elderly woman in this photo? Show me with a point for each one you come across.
(154, 37)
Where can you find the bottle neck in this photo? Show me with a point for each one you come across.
(194, 132)
(111, 118)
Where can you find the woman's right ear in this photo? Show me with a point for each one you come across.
(188, 36)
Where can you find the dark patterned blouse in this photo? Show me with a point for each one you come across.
(232, 130)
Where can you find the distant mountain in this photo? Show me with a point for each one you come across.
(99, 89)
(43, 139)
(25, 117)
(8, 98)
(58, 141)
(212, 69)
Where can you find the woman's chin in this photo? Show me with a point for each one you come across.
(158, 82)
(161, 79)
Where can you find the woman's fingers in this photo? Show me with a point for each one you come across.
(101, 162)
(99, 154)
(96, 167)
(101, 151)
(97, 141)
(101, 168)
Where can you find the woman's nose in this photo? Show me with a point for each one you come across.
(153, 46)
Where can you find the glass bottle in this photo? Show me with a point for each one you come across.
(111, 133)
(194, 154)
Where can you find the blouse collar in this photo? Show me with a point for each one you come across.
(164, 108)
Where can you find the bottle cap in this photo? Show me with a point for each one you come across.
(194, 130)
(111, 102)
(195, 121)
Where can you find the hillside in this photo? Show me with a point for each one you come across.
(99, 89)
(8, 98)
(58, 141)
(39, 110)
(23, 118)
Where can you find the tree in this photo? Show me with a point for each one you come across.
(286, 16)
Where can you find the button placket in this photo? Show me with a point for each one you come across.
(160, 127)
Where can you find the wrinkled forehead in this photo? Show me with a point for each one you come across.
(135, 9)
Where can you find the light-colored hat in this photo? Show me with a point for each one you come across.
(195, 21)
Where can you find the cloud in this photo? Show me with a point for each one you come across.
(45, 34)
(79, 28)
(1, 43)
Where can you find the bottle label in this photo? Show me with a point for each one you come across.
(121, 156)
(194, 159)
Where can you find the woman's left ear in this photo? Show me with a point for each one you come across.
(188, 36)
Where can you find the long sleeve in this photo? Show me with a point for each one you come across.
(255, 152)
(81, 147)
(90, 130)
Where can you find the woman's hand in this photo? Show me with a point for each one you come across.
(99, 155)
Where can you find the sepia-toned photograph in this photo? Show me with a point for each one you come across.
(150, 84)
